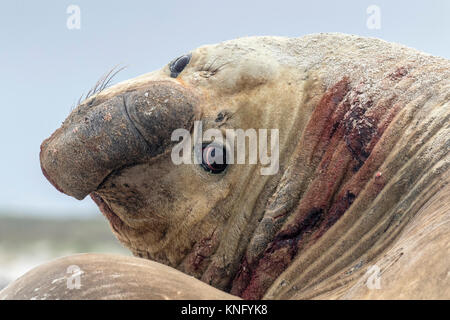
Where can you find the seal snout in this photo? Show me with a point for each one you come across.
(123, 129)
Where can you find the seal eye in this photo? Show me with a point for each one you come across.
(214, 157)
(178, 65)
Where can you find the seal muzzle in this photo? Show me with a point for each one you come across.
(122, 129)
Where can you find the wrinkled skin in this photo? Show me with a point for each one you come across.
(364, 141)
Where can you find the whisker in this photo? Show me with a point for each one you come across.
(209, 68)
(106, 83)
(102, 83)
(221, 66)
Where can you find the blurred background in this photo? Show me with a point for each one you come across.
(52, 52)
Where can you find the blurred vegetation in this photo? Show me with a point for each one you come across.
(83, 235)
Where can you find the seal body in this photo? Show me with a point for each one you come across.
(108, 277)
(363, 166)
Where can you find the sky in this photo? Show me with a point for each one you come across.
(45, 66)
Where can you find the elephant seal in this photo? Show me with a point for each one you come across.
(361, 190)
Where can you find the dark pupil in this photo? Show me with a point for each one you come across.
(214, 158)
(178, 65)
